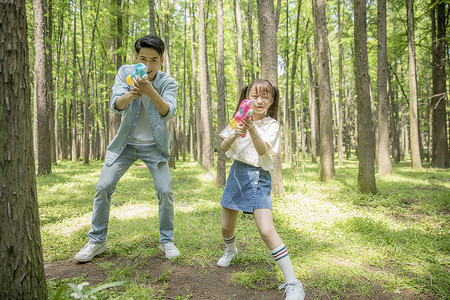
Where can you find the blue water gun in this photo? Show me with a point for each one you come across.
(140, 70)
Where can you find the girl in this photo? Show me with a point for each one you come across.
(249, 183)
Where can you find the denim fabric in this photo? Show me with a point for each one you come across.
(109, 177)
(247, 188)
(166, 87)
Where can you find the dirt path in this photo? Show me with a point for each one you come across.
(203, 283)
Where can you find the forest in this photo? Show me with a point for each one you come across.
(407, 67)
(364, 100)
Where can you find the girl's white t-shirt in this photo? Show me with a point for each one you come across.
(243, 149)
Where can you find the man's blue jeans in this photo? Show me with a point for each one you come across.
(107, 184)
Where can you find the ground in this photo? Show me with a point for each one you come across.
(203, 283)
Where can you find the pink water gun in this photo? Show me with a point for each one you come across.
(245, 111)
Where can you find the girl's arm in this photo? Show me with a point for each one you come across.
(228, 142)
(260, 146)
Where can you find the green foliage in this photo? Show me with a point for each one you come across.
(340, 242)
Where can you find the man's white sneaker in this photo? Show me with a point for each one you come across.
(169, 249)
(293, 291)
(226, 259)
(90, 250)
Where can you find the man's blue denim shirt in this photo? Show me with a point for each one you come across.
(167, 87)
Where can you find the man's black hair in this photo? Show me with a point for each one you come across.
(150, 41)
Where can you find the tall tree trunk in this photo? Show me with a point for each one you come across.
(239, 56)
(151, 16)
(41, 96)
(384, 160)
(86, 93)
(312, 106)
(221, 114)
(196, 121)
(416, 162)
(65, 133)
(440, 153)
(208, 160)
(293, 118)
(74, 155)
(340, 111)
(326, 168)
(269, 70)
(49, 66)
(366, 139)
(250, 38)
(22, 263)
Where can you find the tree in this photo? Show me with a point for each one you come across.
(207, 161)
(326, 168)
(384, 160)
(221, 117)
(366, 136)
(416, 162)
(269, 69)
(21, 260)
(41, 95)
(440, 156)
(340, 111)
(312, 106)
(239, 56)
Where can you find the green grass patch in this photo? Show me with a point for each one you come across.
(340, 242)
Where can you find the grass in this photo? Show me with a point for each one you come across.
(342, 244)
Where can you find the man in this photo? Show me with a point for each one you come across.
(145, 106)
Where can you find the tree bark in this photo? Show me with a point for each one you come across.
(239, 55)
(340, 111)
(21, 263)
(312, 106)
(366, 136)
(221, 114)
(208, 160)
(151, 16)
(269, 70)
(41, 96)
(384, 160)
(326, 168)
(416, 162)
(440, 153)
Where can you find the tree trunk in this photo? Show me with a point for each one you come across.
(221, 114)
(340, 111)
(48, 10)
(41, 96)
(65, 133)
(312, 106)
(440, 153)
(269, 70)
(239, 56)
(416, 162)
(208, 160)
(293, 117)
(151, 16)
(384, 160)
(250, 38)
(196, 122)
(22, 263)
(326, 168)
(366, 139)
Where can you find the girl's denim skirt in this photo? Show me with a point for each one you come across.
(247, 188)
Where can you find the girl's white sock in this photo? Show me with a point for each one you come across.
(231, 243)
(283, 260)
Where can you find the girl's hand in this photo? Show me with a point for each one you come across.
(247, 123)
(240, 129)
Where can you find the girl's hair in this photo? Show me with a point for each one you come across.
(264, 86)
